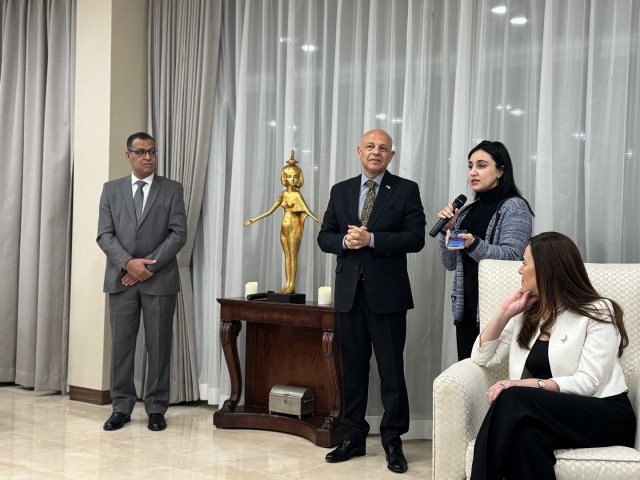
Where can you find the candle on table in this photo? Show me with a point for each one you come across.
(250, 288)
(324, 296)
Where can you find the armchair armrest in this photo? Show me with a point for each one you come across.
(459, 407)
(633, 383)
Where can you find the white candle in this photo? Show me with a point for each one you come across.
(324, 296)
(250, 288)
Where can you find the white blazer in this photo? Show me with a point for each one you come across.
(583, 353)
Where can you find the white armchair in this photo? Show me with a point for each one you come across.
(459, 393)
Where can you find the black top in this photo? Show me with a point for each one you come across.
(537, 363)
(476, 222)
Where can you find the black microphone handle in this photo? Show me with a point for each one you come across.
(438, 226)
(457, 203)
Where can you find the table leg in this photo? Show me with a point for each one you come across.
(229, 331)
(331, 353)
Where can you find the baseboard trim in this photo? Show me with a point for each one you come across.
(89, 395)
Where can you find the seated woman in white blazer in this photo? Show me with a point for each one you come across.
(566, 388)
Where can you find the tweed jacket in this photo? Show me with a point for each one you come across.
(583, 353)
(507, 236)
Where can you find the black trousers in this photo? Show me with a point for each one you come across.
(360, 329)
(525, 425)
(157, 311)
(466, 333)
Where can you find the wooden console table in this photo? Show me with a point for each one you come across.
(287, 344)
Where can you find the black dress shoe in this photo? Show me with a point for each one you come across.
(116, 421)
(395, 458)
(157, 422)
(345, 451)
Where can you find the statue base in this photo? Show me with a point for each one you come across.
(287, 297)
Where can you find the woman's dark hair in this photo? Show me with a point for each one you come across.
(506, 185)
(562, 280)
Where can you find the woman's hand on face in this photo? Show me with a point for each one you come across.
(518, 302)
(448, 212)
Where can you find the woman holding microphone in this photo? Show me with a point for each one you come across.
(497, 225)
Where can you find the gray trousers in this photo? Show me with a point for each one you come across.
(157, 311)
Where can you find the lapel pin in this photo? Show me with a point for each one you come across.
(564, 339)
(388, 187)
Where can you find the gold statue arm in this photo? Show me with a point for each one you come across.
(308, 211)
(266, 214)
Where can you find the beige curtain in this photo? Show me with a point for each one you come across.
(184, 39)
(37, 65)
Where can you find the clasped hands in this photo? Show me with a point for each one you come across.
(357, 237)
(137, 271)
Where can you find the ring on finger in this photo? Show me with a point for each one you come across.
(502, 385)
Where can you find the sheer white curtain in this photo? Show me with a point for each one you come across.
(556, 81)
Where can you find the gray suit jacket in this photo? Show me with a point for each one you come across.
(160, 236)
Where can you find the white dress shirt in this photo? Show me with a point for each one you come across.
(145, 188)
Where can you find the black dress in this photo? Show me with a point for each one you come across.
(525, 425)
(476, 222)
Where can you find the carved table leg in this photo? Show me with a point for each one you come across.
(229, 331)
(331, 352)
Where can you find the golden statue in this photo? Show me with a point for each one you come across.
(295, 213)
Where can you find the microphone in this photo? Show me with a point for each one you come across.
(457, 203)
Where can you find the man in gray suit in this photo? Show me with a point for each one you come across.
(141, 228)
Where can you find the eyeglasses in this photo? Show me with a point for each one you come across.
(141, 153)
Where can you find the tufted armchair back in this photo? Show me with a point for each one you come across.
(459, 403)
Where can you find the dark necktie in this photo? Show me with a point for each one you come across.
(138, 199)
(368, 202)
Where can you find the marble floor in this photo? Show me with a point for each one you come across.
(51, 437)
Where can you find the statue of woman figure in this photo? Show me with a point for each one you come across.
(295, 213)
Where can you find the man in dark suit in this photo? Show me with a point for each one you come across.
(371, 223)
(141, 228)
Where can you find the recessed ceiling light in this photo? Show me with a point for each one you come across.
(518, 21)
(309, 48)
(500, 9)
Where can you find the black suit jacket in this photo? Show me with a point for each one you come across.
(398, 224)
